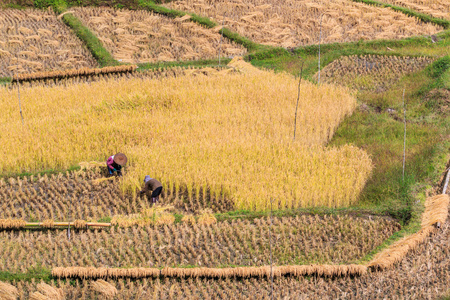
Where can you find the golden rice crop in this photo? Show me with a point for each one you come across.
(436, 8)
(207, 218)
(221, 137)
(142, 36)
(296, 240)
(296, 23)
(371, 72)
(35, 40)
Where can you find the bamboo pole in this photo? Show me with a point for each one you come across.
(66, 224)
(298, 99)
(404, 136)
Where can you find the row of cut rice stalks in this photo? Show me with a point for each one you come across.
(8, 224)
(241, 272)
(73, 73)
(436, 211)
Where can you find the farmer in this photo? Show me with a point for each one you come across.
(151, 185)
(115, 164)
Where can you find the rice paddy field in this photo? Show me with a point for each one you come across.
(197, 121)
(140, 36)
(263, 172)
(300, 240)
(34, 40)
(425, 269)
(296, 23)
(371, 72)
(436, 8)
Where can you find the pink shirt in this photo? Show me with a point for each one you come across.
(110, 162)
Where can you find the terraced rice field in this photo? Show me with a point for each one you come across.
(426, 269)
(424, 274)
(293, 24)
(374, 73)
(234, 123)
(297, 240)
(36, 40)
(82, 195)
(436, 8)
(141, 36)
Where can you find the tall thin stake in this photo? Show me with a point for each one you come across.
(320, 40)
(70, 217)
(298, 99)
(220, 47)
(18, 93)
(20, 104)
(404, 136)
(270, 249)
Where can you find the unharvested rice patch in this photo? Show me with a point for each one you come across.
(35, 40)
(222, 138)
(141, 36)
(296, 23)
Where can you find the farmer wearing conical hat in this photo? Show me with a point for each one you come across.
(115, 164)
(152, 188)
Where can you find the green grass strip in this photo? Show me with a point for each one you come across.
(409, 12)
(191, 63)
(5, 80)
(103, 57)
(33, 273)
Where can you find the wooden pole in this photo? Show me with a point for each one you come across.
(444, 191)
(298, 99)
(67, 224)
(220, 47)
(270, 248)
(404, 136)
(320, 40)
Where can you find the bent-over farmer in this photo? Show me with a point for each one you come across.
(115, 164)
(151, 185)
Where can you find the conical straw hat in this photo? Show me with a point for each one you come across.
(120, 159)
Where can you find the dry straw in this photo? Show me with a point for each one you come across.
(35, 40)
(435, 8)
(12, 224)
(8, 291)
(73, 73)
(142, 36)
(436, 210)
(291, 24)
(207, 218)
(156, 215)
(188, 219)
(242, 272)
(47, 292)
(104, 288)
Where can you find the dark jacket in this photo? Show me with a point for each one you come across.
(151, 185)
